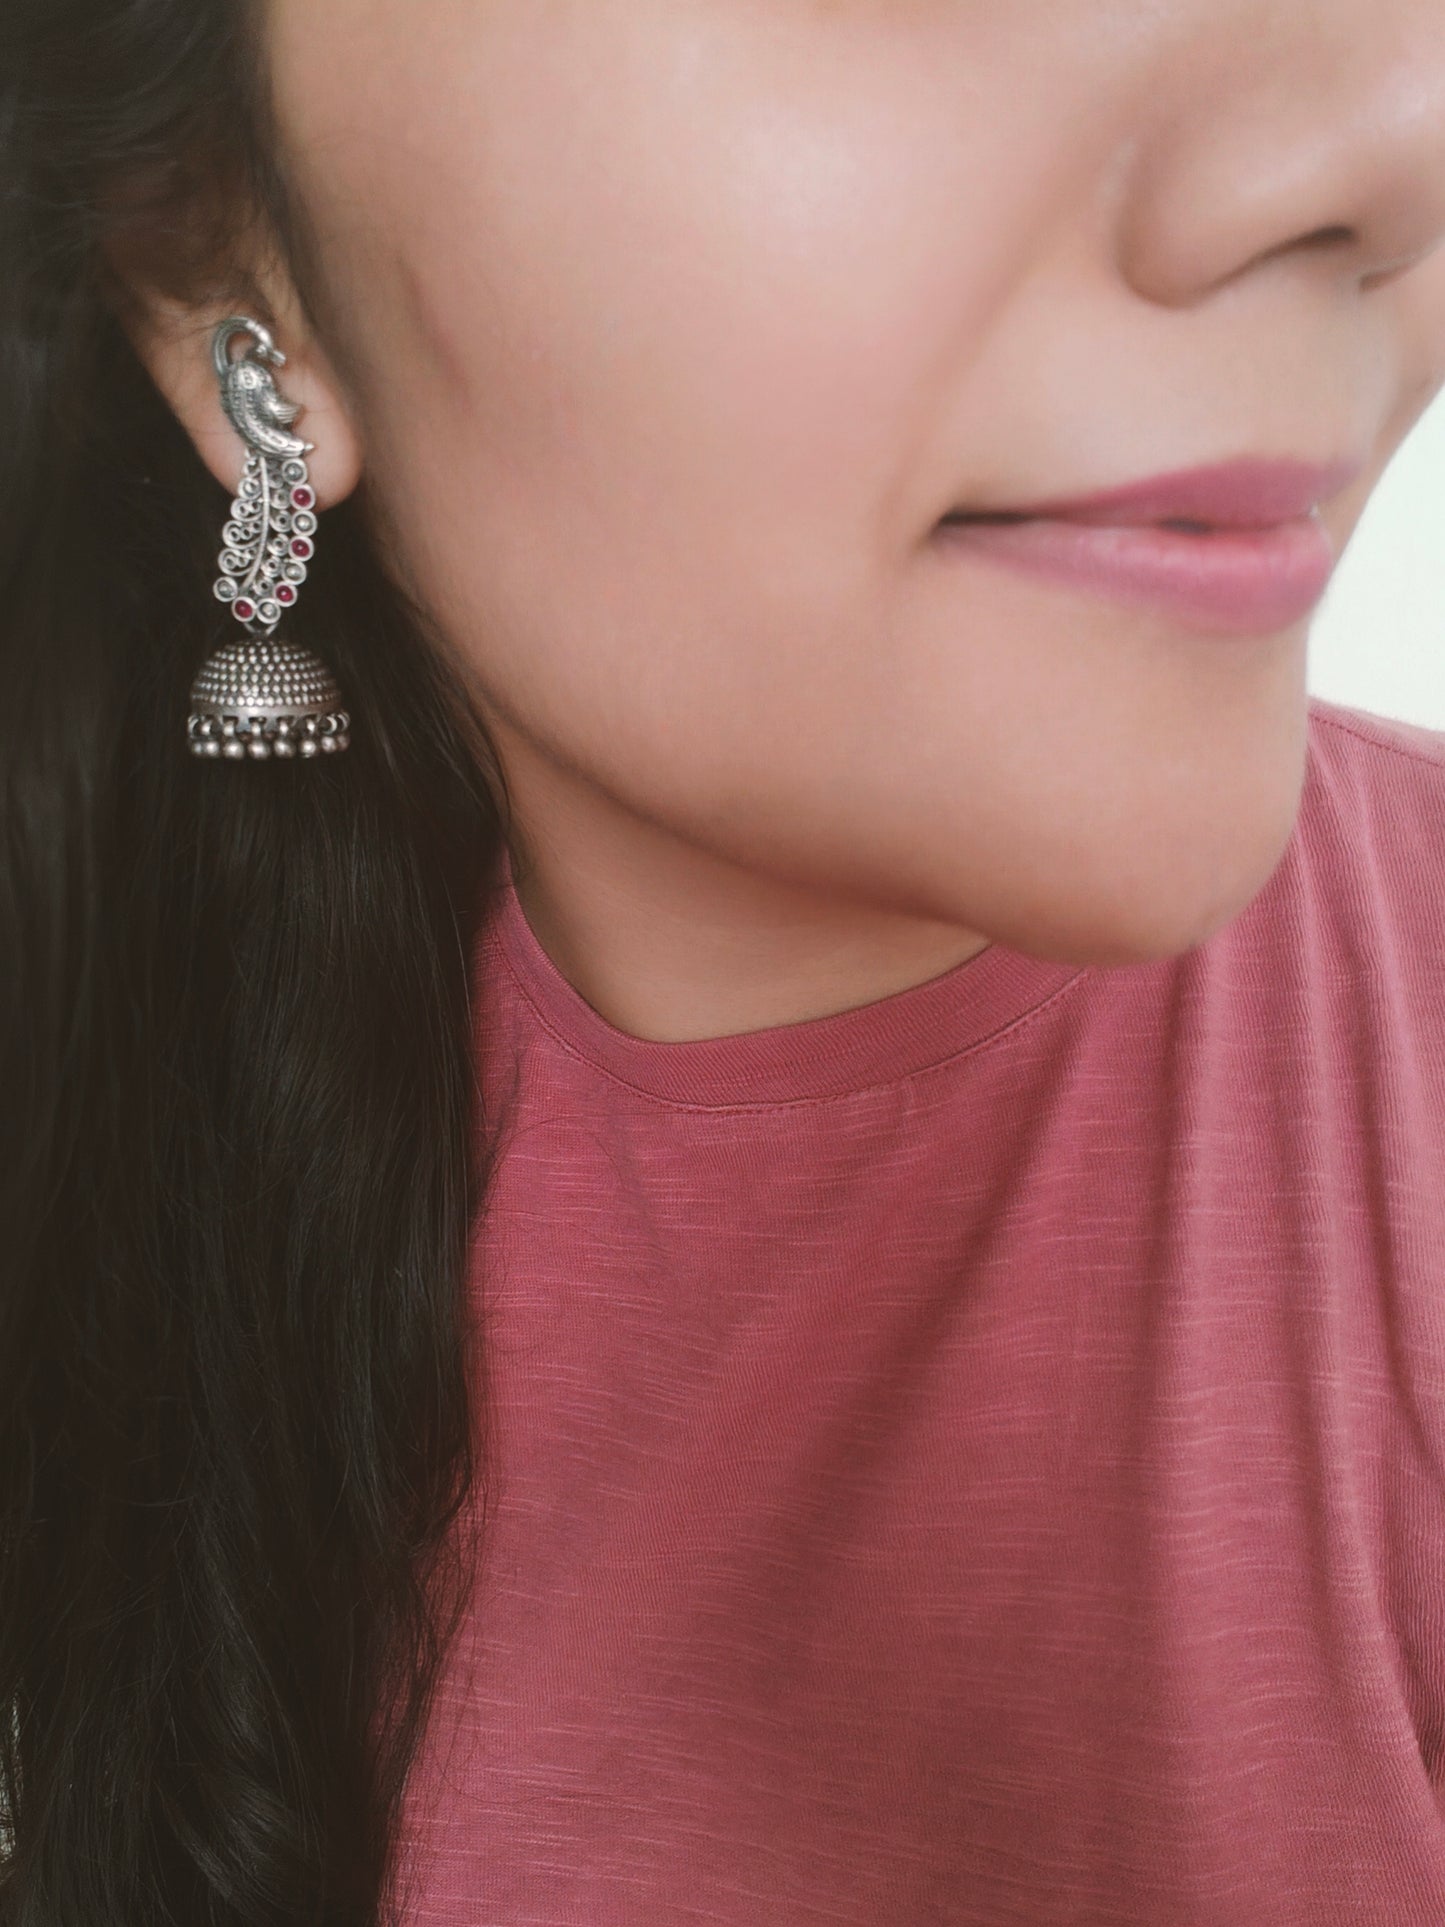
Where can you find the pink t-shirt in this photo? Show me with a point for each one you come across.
(979, 1457)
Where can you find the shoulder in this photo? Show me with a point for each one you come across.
(1379, 777)
(1344, 738)
(1372, 835)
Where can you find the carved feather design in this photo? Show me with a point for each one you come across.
(269, 540)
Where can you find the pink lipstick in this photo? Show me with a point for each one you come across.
(1255, 558)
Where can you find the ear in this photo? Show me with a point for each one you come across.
(174, 342)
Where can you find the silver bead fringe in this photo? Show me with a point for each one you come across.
(261, 695)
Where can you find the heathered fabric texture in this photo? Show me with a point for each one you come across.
(980, 1457)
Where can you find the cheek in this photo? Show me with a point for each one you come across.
(666, 367)
(658, 421)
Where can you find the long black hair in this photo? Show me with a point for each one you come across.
(241, 1144)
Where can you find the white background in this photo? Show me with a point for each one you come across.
(1378, 638)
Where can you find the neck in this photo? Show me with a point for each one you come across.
(672, 942)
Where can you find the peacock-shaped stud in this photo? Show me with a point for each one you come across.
(261, 695)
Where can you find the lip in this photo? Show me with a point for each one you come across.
(1244, 493)
(1235, 581)
(1262, 564)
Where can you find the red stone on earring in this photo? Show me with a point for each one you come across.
(302, 498)
(285, 593)
(301, 549)
(245, 610)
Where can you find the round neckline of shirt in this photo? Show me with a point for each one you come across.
(968, 1007)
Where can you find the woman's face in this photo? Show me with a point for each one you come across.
(673, 328)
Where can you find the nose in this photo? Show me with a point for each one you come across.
(1291, 128)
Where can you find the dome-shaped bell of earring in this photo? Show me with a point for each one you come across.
(263, 696)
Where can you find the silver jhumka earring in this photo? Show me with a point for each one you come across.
(260, 695)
